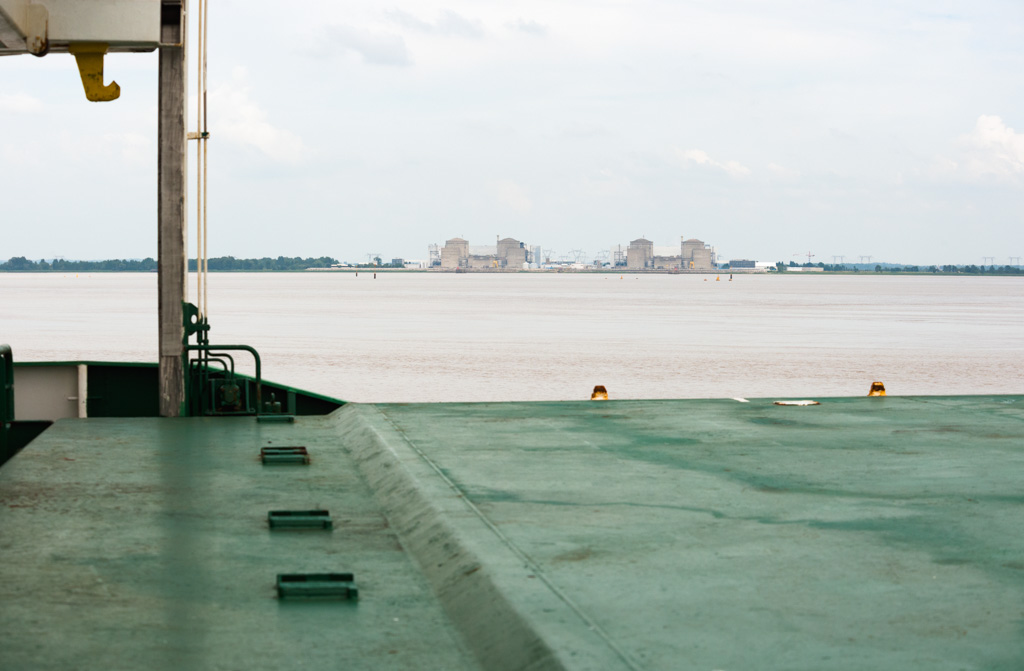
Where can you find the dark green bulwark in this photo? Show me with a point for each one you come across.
(862, 533)
(118, 390)
(130, 389)
(6, 402)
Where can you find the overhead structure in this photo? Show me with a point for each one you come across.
(88, 29)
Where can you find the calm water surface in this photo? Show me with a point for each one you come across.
(447, 337)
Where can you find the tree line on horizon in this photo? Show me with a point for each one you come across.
(20, 264)
(947, 269)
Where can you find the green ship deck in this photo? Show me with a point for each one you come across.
(862, 533)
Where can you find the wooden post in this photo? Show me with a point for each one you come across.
(171, 226)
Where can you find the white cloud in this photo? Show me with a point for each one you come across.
(993, 150)
(19, 103)
(373, 48)
(700, 157)
(134, 148)
(241, 121)
(448, 23)
(782, 172)
(528, 26)
(117, 148)
(944, 165)
(513, 195)
(604, 182)
(21, 156)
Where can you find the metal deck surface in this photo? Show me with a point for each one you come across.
(863, 533)
(144, 544)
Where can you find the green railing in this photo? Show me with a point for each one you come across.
(205, 384)
(212, 387)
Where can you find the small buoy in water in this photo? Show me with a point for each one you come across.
(877, 389)
(599, 393)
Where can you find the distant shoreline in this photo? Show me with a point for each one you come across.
(1014, 272)
(326, 264)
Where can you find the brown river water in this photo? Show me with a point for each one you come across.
(406, 337)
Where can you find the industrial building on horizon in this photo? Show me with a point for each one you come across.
(508, 253)
(693, 255)
(511, 254)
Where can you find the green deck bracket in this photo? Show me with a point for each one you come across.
(317, 586)
(318, 520)
(284, 455)
(194, 323)
(282, 419)
(274, 411)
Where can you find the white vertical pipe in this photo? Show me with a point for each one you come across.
(83, 390)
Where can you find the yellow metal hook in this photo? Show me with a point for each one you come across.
(90, 66)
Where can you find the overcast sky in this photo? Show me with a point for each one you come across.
(892, 129)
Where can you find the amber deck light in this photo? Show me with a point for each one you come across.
(599, 393)
(877, 389)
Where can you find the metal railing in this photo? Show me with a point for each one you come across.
(200, 375)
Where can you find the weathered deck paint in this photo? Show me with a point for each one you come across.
(144, 544)
(863, 533)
